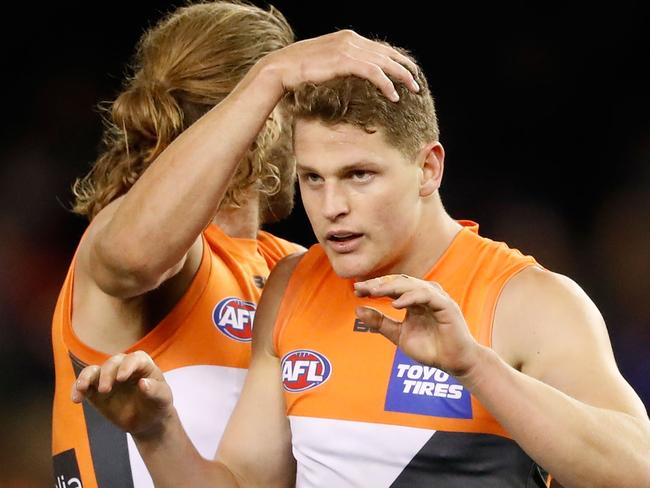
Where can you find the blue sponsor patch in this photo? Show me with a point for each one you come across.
(415, 388)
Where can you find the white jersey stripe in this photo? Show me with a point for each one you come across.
(337, 453)
(204, 397)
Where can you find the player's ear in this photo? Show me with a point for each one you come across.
(432, 164)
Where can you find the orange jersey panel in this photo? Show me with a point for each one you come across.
(202, 346)
(344, 384)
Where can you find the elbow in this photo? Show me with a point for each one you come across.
(121, 270)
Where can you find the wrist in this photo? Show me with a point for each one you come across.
(158, 431)
(480, 368)
(267, 75)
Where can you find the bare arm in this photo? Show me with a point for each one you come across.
(260, 416)
(146, 238)
(131, 391)
(257, 430)
(569, 409)
(150, 237)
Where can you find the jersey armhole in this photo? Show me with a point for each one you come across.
(157, 336)
(492, 299)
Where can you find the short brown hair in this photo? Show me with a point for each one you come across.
(184, 66)
(407, 124)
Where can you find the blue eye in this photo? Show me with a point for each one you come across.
(361, 175)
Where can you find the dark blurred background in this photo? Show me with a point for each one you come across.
(544, 115)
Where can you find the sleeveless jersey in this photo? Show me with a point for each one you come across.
(202, 346)
(362, 413)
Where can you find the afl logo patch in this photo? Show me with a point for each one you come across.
(234, 317)
(304, 369)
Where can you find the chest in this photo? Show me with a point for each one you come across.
(335, 367)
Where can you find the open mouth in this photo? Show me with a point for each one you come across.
(343, 237)
(344, 242)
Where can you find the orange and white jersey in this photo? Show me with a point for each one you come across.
(362, 413)
(202, 346)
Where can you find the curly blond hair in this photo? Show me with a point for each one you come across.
(184, 66)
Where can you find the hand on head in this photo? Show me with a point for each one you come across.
(343, 53)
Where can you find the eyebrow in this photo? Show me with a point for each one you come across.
(303, 168)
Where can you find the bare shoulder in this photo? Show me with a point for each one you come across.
(283, 270)
(269, 305)
(546, 326)
(111, 322)
(280, 276)
(546, 285)
(538, 300)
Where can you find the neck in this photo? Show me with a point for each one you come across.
(434, 236)
(243, 222)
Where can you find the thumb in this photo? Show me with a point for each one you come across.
(377, 321)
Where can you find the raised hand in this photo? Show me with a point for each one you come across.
(342, 53)
(433, 332)
(129, 390)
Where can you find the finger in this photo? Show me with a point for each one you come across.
(412, 298)
(371, 72)
(384, 49)
(394, 286)
(108, 372)
(376, 320)
(406, 291)
(435, 300)
(155, 391)
(390, 286)
(362, 288)
(87, 379)
(135, 365)
(388, 65)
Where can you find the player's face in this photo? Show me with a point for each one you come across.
(361, 196)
